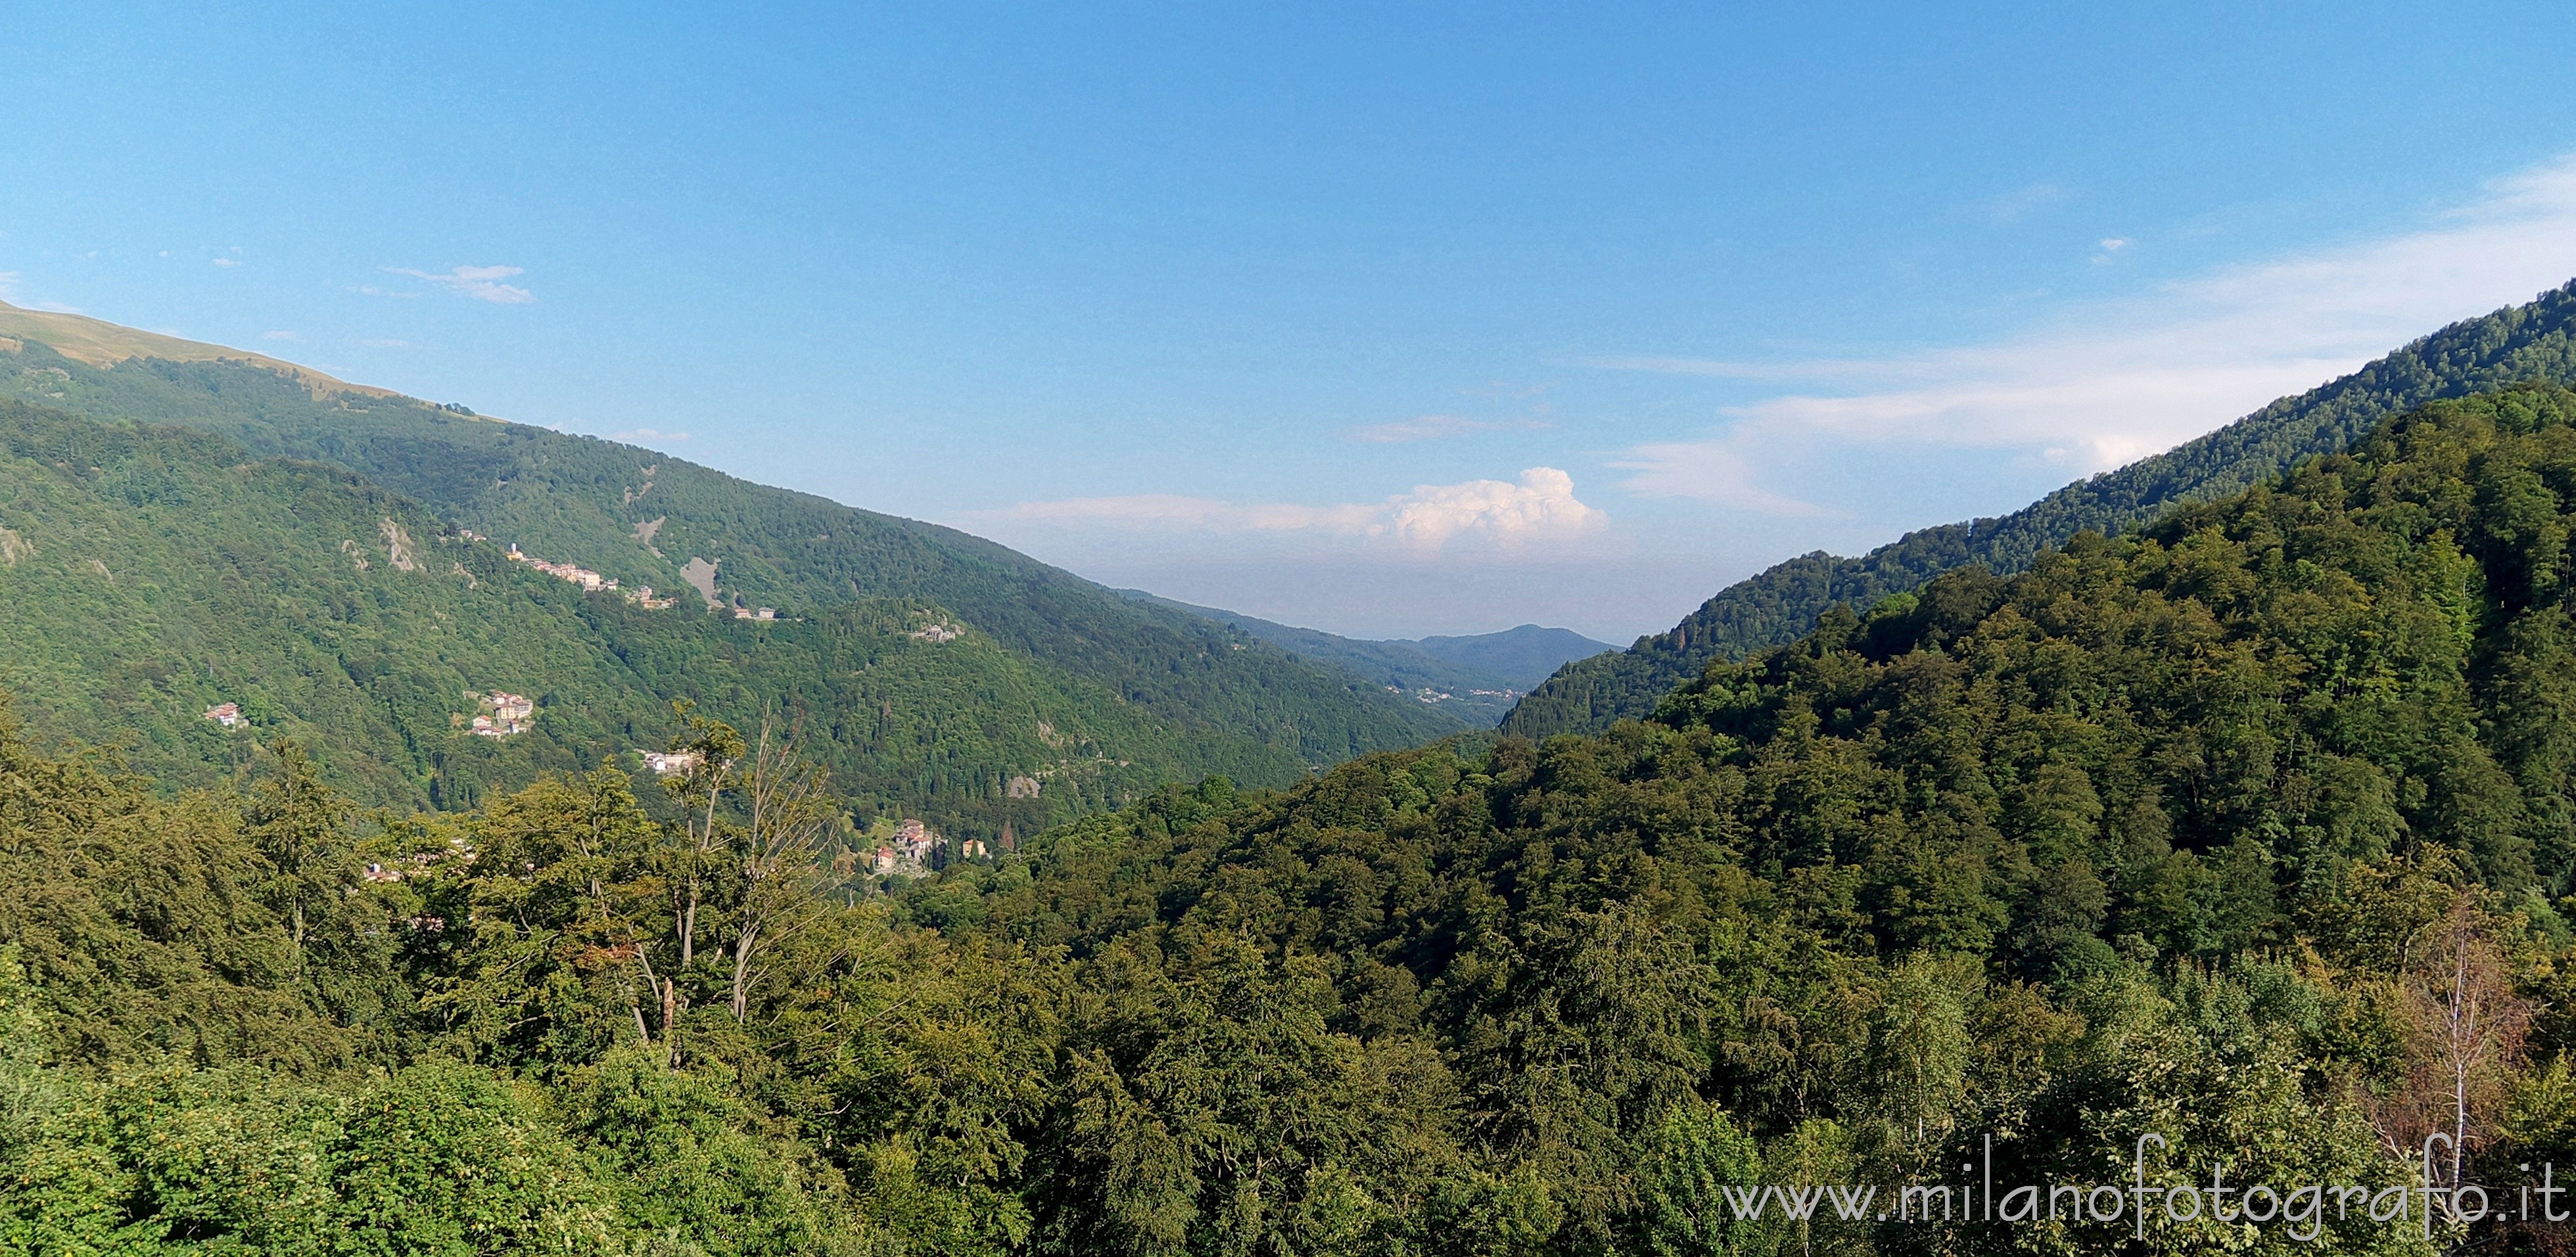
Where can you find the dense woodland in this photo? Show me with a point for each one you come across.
(2522, 343)
(2253, 829)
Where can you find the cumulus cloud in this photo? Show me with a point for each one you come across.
(1435, 427)
(227, 262)
(1540, 506)
(2112, 382)
(482, 283)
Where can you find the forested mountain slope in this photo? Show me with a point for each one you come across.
(2529, 342)
(2249, 830)
(149, 573)
(2202, 832)
(644, 518)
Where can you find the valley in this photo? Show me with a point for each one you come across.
(350, 737)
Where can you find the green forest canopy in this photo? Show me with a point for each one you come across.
(2206, 831)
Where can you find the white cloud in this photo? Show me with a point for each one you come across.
(2113, 382)
(227, 262)
(647, 434)
(482, 283)
(1435, 427)
(1715, 471)
(1541, 506)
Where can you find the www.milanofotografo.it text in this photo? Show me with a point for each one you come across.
(2302, 1210)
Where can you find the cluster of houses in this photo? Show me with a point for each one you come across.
(581, 576)
(502, 714)
(226, 714)
(913, 851)
(912, 848)
(1428, 694)
(641, 596)
(909, 852)
(669, 763)
(755, 613)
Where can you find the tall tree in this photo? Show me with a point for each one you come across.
(789, 813)
(301, 826)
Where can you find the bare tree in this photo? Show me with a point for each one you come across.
(2476, 1022)
(791, 815)
(2464, 1034)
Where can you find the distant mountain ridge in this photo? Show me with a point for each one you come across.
(1525, 655)
(1477, 677)
(2535, 341)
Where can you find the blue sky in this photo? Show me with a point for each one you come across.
(1388, 320)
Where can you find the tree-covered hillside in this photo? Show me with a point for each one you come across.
(152, 573)
(643, 517)
(2250, 831)
(2530, 342)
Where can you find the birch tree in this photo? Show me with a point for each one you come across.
(790, 814)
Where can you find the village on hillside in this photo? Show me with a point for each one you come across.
(912, 850)
(499, 714)
(594, 582)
